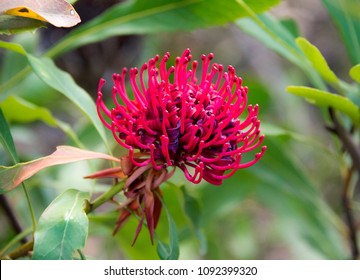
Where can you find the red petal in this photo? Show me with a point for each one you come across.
(149, 213)
(114, 172)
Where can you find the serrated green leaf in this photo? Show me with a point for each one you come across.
(143, 17)
(62, 228)
(19, 110)
(169, 251)
(6, 139)
(355, 73)
(317, 60)
(326, 99)
(12, 176)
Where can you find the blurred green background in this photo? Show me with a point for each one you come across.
(287, 206)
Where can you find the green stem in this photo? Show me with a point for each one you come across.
(82, 256)
(31, 209)
(350, 220)
(21, 251)
(8, 211)
(15, 240)
(106, 196)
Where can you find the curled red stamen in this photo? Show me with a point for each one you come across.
(203, 128)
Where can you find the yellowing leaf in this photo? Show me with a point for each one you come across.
(57, 12)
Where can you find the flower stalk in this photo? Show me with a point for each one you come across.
(106, 196)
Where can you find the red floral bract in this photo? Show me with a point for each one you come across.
(179, 119)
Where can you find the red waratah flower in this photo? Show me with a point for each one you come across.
(179, 119)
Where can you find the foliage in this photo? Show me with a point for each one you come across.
(281, 196)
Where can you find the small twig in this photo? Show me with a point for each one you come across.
(11, 216)
(354, 153)
(15, 240)
(21, 251)
(346, 201)
(331, 129)
(107, 196)
(82, 256)
(348, 143)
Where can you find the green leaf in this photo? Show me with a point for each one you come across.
(274, 35)
(355, 73)
(14, 61)
(47, 71)
(281, 183)
(61, 81)
(326, 99)
(31, 112)
(12, 47)
(143, 16)
(12, 106)
(291, 25)
(11, 177)
(345, 14)
(317, 60)
(62, 228)
(194, 212)
(6, 139)
(13, 24)
(192, 208)
(272, 130)
(169, 251)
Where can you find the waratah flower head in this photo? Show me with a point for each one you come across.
(201, 124)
